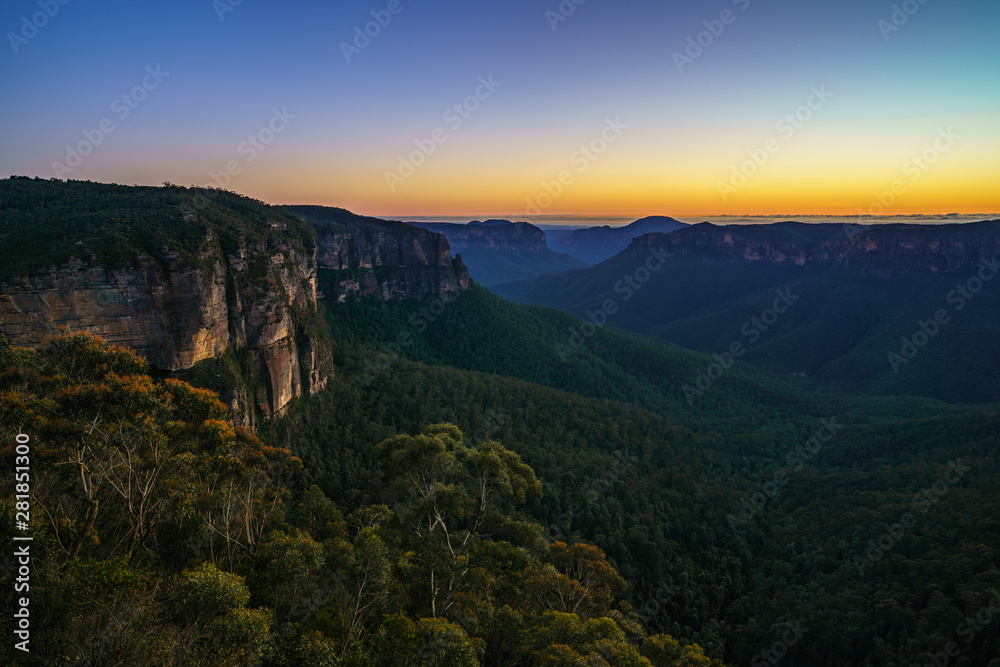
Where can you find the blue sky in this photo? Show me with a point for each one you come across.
(229, 67)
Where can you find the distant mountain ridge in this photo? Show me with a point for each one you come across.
(596, 244)
(490, 223)
(878, 249)
(498, 251)
(863, 293)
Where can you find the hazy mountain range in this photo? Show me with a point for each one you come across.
(860, 293)
(596, 244)
(499, 251)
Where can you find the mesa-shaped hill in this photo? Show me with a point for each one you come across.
(596, 244)
(499, 251)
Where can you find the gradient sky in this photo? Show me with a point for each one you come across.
(937, 75)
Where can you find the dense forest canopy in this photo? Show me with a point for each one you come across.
(480, 483)
(164, 535)
(729, 521)
(47, 222)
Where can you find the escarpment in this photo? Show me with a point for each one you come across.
(178, 314)
(217, 288)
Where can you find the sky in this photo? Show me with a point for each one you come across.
(515, 108)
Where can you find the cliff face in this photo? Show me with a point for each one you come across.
(177, 315)
(175, 319)
(217, 288)
(876, 250)
(903, 248)
(251, 300)
(389, 264)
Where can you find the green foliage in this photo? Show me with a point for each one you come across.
(329, 219)
(650, 480)
(577, 579)
(665, 651)
(313, 649)
(291, 558)
(564, 639)
(441, 643)
(47, 222)
(318, 516)
(132, 479)
(442, 567)
(241, 636)
(210, 592)
(450, 496)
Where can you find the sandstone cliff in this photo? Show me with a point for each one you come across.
(390, 261)
(374, 263)
(217, 288)
(177, 315)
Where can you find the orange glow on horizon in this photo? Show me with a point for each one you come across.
(798, 182)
